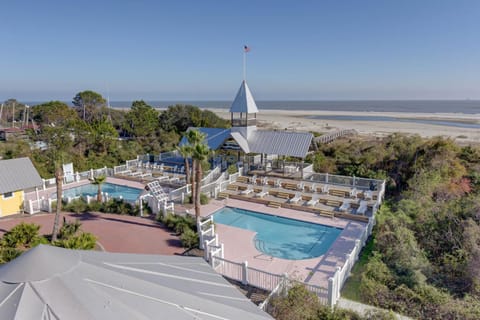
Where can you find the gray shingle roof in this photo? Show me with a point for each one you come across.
(18, 174)
(54, 283)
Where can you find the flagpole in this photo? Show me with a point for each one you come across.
(244, 65)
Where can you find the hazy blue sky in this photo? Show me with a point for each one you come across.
(164, 50)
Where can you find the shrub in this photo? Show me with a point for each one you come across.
(77, 206)
(189, 238)
(204, 199)
(23, 236)
(232, 169)
(119, 206)
(83, 241)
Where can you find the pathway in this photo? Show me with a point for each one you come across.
(363, 308)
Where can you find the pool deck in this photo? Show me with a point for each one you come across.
(240, 247)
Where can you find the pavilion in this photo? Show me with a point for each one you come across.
(244, 136)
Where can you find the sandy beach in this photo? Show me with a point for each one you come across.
(302, 121)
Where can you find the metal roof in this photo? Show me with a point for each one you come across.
(244, 101)
(54, 283)
(215, 137)
(285, 143)
(242, 142)
(18, 174)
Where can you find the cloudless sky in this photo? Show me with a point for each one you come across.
(192, 50)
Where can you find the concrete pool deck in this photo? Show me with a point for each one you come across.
(240, 247)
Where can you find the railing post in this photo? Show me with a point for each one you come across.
(200, 235)
(205, 251)
(337, 284)
(222, 250)
(330, 294)
(245, 273)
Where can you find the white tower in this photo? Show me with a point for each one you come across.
(243, 112)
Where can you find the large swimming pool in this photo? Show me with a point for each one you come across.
(281, 237)
(114, 190)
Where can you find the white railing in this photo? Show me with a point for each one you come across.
(206, 231)
(336, 282)
(170, 154)
(262, 279)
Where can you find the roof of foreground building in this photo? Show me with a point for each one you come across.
(54, 283)
(18, 174)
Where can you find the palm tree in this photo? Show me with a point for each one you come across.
(186, 152)
(99, 181)
(194, 138)
(200, 155)
(59, 183)
(59, 142)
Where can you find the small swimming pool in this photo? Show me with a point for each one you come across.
(114, 190)
(281, 237)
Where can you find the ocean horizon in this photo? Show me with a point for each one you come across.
(408, 106)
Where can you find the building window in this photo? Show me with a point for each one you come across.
(8, 195)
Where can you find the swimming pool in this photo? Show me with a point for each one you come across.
(281, 237)
(114, 190)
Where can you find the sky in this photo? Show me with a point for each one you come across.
(193, 50)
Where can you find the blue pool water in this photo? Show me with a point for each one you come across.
(114, 190)
(281, 237)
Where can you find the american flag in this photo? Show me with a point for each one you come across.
(246, 48)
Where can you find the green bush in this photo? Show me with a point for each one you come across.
(189, 238)
(119, 206)
(232, 169)
(204, 199)
(77, 206)
(22, 236)
(83, 241)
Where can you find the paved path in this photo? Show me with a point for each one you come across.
(115, 233)
(363, 308)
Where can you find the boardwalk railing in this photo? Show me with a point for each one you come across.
(329, 137)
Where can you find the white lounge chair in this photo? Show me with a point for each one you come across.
(264, 180)
(353, 193)
(362, 208)
(253, 179)
(368, 194)
(248, 190)
(298, 197)
(325, 188)
(278, 183)
(313, 201)
(345, 206)
(262, 193)
(301, 186)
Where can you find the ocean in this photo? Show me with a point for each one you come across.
(422, 106)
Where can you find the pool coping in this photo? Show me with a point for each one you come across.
(240, 247)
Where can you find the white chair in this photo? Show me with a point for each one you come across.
(362, 208)
(325, 188)
(248, 190)
(368, 194)
(298, 197)
(345, 206)
(313, 201)
(353, 193)
(262, 193)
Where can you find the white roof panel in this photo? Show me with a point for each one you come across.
(50, 282)
(244, 101)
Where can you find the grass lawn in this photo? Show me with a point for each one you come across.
(351, 289)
